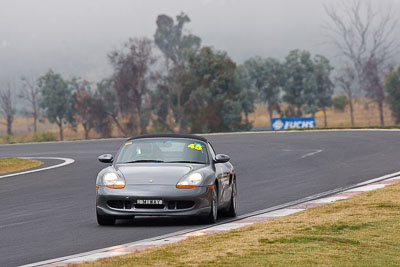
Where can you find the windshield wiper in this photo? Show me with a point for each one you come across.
(143, 160)
(185, 161)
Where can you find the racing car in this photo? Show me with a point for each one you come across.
(165, 175)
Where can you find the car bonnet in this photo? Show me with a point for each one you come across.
(155, 173)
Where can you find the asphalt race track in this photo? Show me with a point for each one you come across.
(51, 214)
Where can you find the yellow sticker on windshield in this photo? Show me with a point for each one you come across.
(128, 143)
(195, 146)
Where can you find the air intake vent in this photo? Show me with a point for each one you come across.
(178, 205)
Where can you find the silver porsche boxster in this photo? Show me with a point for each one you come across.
(165, 175)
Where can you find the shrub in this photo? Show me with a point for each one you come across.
(7, 139)
(339, 102)
(44, 136)
(392, 87)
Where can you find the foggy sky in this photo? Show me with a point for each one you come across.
(73, 37)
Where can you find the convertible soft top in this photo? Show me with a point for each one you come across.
(170, 135)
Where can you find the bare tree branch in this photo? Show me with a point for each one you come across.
(31, 93)
(346, 81)
(367, 39)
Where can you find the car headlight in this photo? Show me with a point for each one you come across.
(190, 181)
(112, 180)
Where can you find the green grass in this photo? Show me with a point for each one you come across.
(16, 164)
(40, 136)
(308, 239)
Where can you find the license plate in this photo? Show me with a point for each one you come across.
(149, 201)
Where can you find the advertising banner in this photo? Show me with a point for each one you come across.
(292, 123)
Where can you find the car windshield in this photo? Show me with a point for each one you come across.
(163, 150)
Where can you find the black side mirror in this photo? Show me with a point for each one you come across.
(106, 158)
(222, 158)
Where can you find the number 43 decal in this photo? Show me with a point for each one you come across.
(195, 146)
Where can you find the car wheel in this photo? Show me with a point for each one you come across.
(212, 216)
(105, 220)
(232, 210)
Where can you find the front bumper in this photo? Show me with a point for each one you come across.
(121, 202)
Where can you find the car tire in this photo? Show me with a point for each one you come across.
(213, 215)
(232, 210)
(105, 220)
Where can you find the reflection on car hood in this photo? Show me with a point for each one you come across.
(155, 173)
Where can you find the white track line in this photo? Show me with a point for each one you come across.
(67, 161)
(311, 154)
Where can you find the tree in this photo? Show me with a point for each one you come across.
(368, 40)
(299, 77)
(172, 42)
(374, 85)
(346, 81)
(248, 94)
(339, 102)
(161, 106)
(176, 47)
(323, 88)
(266, 76)
(7, 108)
(215, 104)
(57, 101)
(392, 86)
(130, 81)
(83, 104)
(105, 109)
(31, 93)
(100, 119)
